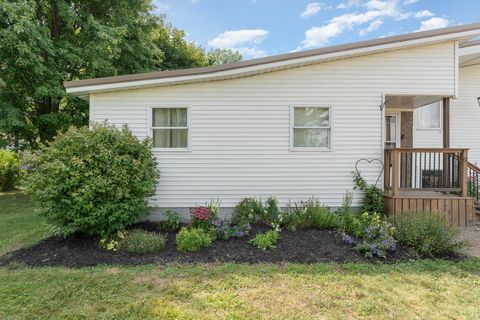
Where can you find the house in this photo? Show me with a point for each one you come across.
(295, 125)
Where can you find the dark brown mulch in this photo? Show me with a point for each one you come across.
(303, 246)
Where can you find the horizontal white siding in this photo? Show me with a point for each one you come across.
(240, 128)
(465, 113)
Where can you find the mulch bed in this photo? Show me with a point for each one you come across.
(303, 246)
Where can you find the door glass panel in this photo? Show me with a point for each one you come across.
(391, 131)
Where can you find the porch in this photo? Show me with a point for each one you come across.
(437, 179)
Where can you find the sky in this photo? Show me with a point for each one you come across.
(259, 28)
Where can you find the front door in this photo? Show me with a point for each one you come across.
(392, 130)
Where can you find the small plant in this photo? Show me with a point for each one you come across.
(112, 242)
(224, 231)
(377, 238)
(171, 220)
(247, 211)
(427, 233)
(266, 240)
(9, 170)
(350, 223)
(270, 212)
(373, 196)
(308, 214)
(193, 239)
(139, 241)
(201, 217)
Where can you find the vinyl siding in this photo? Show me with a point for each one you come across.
(465, 113)
(239, 129)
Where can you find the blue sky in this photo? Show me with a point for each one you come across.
(267, 27)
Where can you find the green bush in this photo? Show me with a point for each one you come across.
(427, 233)
(139, 241)
(266, 240)
(9, 170)
(94, 180)
(308, 214)
(193, 239)
(247, 211)
(171, 221)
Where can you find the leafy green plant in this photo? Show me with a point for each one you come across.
(377, 237)
(427, 233)
(224, 231)
(140, 241)
(308, 214)
(193, 239)
(172, 221)
(247, 211)
(266, 240)
(373, 200)
(271, 211)
(94, 180)
(9, 170)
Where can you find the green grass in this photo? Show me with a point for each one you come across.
(430, 289)
(19, 227)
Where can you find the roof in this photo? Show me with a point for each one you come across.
(272, 63)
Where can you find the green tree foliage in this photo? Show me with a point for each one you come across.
(95, 180)
(222, 56)
(46, 42)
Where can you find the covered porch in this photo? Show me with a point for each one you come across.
(427, 175)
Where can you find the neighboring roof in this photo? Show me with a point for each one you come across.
(469, 53)
(272, 63)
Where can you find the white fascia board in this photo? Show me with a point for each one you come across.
(291, 63)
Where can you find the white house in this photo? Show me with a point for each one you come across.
(295, 125)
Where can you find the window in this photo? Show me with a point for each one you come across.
(429, 117)
(391, 121)
(170, 128)
(311, 128)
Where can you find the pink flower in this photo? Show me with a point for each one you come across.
(201, 213)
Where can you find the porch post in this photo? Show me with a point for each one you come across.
(446, 142)
(446, 122)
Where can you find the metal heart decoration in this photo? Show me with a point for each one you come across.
(370, 161)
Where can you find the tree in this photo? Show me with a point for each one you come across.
(46, 42)
(222, 56)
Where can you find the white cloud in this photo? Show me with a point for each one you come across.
(252, 52)
(311, 9)
(376, 10)
(349, 4)
(373, 26)
(234, 38)
(407, 2)
(433, 23)
(424, 14)
(245, 41)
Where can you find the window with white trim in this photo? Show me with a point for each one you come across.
(429, 117)
(311, 128)
(170, 128)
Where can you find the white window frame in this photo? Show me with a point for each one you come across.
(419, 127)
(151, 128)
(330, 127)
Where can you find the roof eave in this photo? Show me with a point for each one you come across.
(94, 86)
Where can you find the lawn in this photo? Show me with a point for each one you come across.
(413, 290)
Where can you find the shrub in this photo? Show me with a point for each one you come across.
(308, 214)
(94, 180)
(270, 212)
(247, 211)
(9, 170)
(373, 200)
(171, 220)
(266, 240)
(193, 239)
(350, 223)
(427, 233)
(139, 241)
